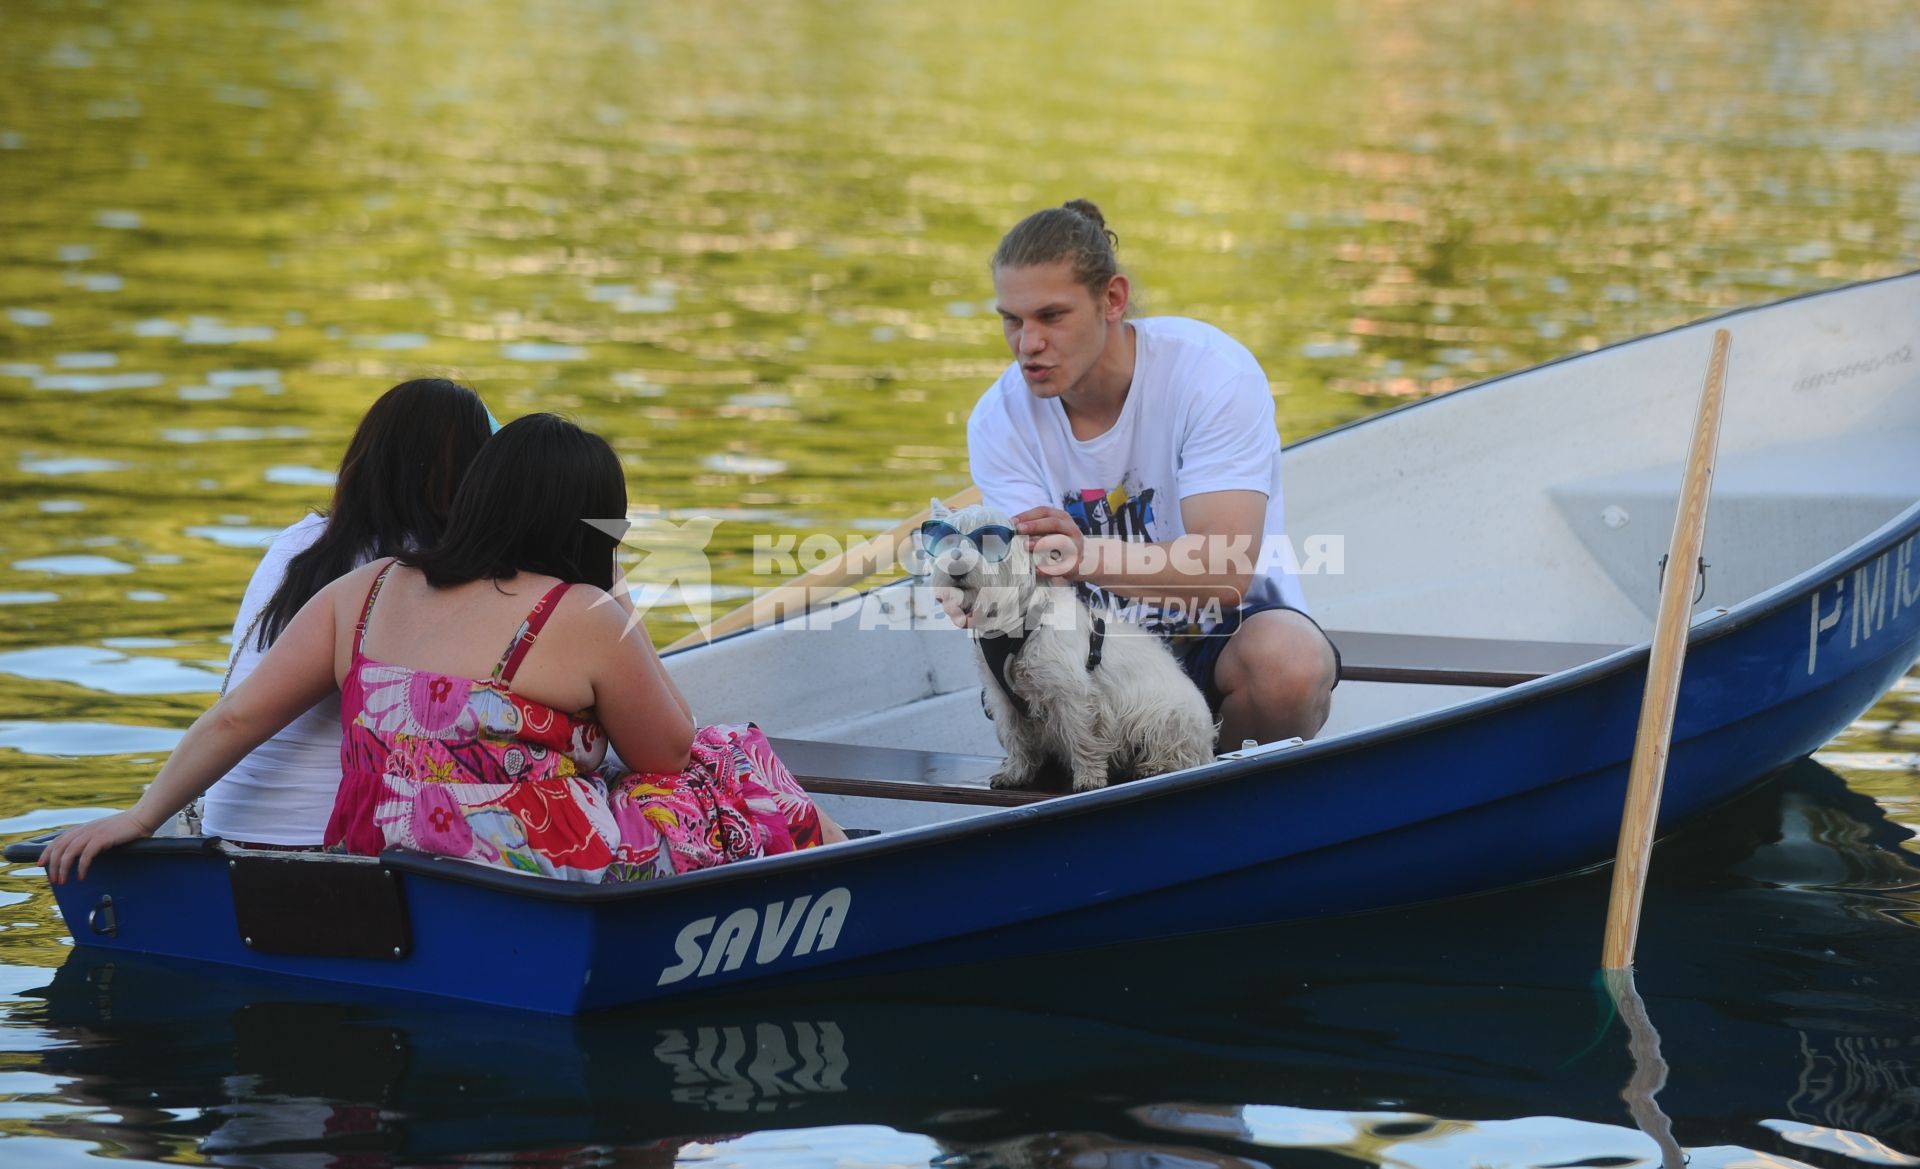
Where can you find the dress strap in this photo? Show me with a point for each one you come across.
(529, 631)
(366, 610)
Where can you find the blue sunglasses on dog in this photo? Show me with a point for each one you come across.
(994, 541)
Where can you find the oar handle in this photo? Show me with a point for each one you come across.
(1655, 734)
(801, 593)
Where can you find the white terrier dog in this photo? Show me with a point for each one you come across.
(1098, 693)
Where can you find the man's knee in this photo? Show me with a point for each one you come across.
(1281, 660)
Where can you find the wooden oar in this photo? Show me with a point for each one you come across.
(1655, 735)
(799, 594)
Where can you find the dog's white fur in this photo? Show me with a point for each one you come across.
(1134, 715)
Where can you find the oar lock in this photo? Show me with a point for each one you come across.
(1699, 592)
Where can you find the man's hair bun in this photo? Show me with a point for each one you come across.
(1085, 207)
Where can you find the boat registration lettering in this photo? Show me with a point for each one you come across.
(799, 927)
(1881, 589)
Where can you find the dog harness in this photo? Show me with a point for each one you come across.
(1001, 648)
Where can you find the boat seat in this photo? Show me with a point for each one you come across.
(894, 773)
(1775, 512)
(1457, 661)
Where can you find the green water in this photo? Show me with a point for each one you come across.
(747, 242)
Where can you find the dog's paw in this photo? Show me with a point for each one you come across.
(1011, 780)
(1089, 783)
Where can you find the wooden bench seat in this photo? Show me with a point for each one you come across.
(1457, 661)
(896, 773)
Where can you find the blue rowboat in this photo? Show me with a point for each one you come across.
(1490, 558)
(1099, 1043)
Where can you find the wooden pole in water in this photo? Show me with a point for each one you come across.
(800, 594)
(1655, 735)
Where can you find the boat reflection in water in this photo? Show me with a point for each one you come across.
(1780, 964)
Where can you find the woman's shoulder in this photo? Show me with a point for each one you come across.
(352, 588)
(590, 603)
(588, 616)
(302, 532)
(288, 543)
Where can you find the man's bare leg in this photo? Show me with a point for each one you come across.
(1276, 677)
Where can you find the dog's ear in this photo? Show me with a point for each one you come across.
(937, 510)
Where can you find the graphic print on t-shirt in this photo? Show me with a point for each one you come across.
(1122, 511)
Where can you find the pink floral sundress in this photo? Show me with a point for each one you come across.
(464, 767)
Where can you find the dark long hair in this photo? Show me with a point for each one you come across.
(526, 504)
(395, 487)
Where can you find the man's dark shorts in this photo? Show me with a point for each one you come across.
(1200, 654)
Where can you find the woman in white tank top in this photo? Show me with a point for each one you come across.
(395, 485)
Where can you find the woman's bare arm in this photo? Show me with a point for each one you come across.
(296, 673)
(644, 714)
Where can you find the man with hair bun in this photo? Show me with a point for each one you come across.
(1142, 461)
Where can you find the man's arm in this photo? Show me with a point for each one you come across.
(1229, 449)
(1214, 561)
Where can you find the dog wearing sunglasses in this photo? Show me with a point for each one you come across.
(1063, 684)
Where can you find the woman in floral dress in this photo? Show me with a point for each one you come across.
(481, 684)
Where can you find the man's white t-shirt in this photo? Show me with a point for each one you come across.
(283, 792)
(1198, 418)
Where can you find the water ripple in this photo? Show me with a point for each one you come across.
(86, 738)
(108, 672)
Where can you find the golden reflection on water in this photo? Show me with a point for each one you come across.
(748, 241)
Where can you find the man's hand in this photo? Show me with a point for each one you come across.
(1056, 542)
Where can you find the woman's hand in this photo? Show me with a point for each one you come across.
(80, 845)
(1056, 542)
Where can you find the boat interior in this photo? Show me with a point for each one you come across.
(1467, 543)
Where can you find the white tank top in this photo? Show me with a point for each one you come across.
(281, 793)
